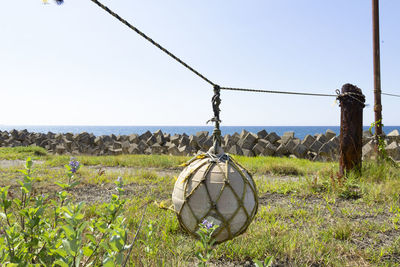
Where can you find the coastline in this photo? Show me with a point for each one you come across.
(317, 147)
(300, 131)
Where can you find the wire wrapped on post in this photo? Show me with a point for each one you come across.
(216, 101)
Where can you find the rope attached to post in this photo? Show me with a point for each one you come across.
(355, 96)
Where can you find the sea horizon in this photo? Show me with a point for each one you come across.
(300, 131)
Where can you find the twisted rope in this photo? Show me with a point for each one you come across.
(189, 67)
(151, 41)
(273, 92)
(358, 97)
(198, 73)
(216, 101)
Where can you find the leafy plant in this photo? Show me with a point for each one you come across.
(206, 242)
(380, 140)
(36, 230)
(267, 262)
(150, 229)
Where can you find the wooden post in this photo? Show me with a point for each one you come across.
(351, 121)
(377, 72)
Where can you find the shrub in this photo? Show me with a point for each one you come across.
(37, 230)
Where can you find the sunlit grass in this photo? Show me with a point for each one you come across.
(307, 216)
(284, 166)
(145, 161)
(12, 153)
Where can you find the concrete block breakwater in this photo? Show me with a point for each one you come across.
(318, 147)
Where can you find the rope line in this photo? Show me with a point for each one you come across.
(108, 10)
(390, 94)
(151, 41)
(274, 92)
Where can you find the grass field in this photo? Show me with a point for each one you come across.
(306, 216)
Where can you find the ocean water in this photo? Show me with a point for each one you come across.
(300, 131)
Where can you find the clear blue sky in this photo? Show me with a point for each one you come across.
(76, 65)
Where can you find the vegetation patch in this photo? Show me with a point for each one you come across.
(12, 153)
(309, 218)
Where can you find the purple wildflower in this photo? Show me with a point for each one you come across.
(59, 2)
(74, 165)
(119, 182)
(208, 224)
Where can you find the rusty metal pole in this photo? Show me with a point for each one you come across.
(351, 121)
(377, 71)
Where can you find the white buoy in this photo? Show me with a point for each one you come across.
(218, 189)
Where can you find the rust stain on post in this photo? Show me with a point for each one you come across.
(351, 121)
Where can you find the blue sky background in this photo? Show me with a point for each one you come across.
(76, 65)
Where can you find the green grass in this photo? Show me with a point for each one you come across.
(307, 217)
(284, 166)
(260, 165)
(154, 161)
(13, 153)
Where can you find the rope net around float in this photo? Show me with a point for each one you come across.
(219, 190)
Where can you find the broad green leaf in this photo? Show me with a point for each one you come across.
(78, 260)
(28, 186)
(104, 245)
(258, 263)
(82, 227)
(29, 163)
(61, 252)
(67, 213)
(87, 251)
(68, 230)
(67, 246)
(74, 184)
(74, 245)
(108, 262)
(61, 263)
(119, 259)
(17, 201)
(24, 172)
(101, 226)
(91, 238)
(62, 185)
(79, 216)
(268, 261)
(63, 194)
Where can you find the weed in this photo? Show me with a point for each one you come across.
(206, 243)
(267, 262)
(31, 235)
